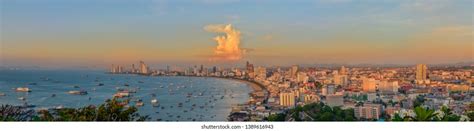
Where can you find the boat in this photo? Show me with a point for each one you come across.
(139, 103)
(23, 89)
(2, 94)
(122, 94)
(59, 107)
(21, 98)
(53, 95)
(76, 86)
(100, 84)
(155, 103)
(82, 92)
(32, 83)
(126, 84)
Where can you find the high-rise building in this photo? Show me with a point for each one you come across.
(421, 73)
(143, 68)
(261, 72)
(368, 85)
(335, 100)
(302, 77)
(133, 68)
(250, 70)
(293, 71)
(287, 99)
(340, 80)
(116, 69)
(388, 86)
(343, 70)
(368, 111)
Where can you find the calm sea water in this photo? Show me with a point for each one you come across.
(217, 94)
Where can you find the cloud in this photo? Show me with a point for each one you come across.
(228, 46)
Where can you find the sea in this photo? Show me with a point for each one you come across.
(202, 98)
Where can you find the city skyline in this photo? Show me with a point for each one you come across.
(100, 33)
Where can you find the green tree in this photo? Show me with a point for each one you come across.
(112, 110)
(15, 113)
(424, 114)
(276, 117)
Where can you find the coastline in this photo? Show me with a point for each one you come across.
(254, 85)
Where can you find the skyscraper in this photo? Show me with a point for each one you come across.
(340, 80)
(343, 70)
(368, 85)
(293, 71)
(287, 99)
(250, 70)
(143, 68)
(421, 71)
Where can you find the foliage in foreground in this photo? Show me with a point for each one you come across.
(425, 114)
(315, 112)
(111, 110)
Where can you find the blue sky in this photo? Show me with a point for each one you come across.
(279, 32)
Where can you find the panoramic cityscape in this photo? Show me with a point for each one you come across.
(236, 60)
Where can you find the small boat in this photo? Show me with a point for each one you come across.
(100, 84)
(126, 84)
(76, 86)
(155, 103)
(122, 94)
(82, 92)
(139, 103)
(59, 107)
(32, 84)
(23, 89)
(21, 98)
(140, 81)
(53, 95)
(2, 94)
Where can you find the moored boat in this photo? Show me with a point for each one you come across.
(82, 92)
(23, 89)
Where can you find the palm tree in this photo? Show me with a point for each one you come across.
(423, 114)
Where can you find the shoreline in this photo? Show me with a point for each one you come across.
(254, 85)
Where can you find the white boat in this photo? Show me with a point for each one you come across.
(23, 89)
(154, 101)
(78, 92)
(21, 98)
(2, 94)
(59, 107)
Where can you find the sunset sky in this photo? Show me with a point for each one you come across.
(59, 33)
